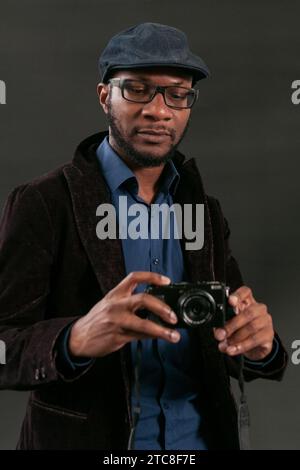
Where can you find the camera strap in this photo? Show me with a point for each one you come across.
(243, 410)
(136, 411)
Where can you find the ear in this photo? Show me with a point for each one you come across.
(103, 93)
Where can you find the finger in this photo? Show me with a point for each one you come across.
(260, 339)
(224, 345)
(147, 302)
(243, 293)
(125, 337)
(130, 282)
(128, 336)
(148, 329)
(237, 322)
(249, 329)
(241, 298)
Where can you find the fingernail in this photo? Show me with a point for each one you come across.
(231, 349)
(175, 336)
(173, 317)
(234, 299)
(223, 346)
(165, 279)
(220, 334)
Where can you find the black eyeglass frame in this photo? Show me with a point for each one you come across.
(121, 82)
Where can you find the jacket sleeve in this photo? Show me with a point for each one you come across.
(27, 329)
(274, 369)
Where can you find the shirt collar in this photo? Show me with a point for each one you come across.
(116, 172)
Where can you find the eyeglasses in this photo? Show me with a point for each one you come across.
(177, 97)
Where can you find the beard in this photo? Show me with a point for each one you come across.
(140, 159)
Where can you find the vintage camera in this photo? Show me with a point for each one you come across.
(195, 304)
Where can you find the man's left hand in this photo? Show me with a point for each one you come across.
(250, 332)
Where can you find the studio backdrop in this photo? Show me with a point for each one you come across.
(244, 135)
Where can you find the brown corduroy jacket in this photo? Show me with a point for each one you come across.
(53, 269)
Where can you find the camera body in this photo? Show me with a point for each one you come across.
(195, 304)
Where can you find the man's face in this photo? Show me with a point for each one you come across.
(134, 127)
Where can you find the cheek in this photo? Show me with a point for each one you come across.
(125, 112)
(182, 122)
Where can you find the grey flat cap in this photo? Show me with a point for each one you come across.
(150, 45)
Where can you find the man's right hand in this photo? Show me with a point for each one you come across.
(113, 322)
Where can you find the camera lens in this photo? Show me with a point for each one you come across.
(196, 307)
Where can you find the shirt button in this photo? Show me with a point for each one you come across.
(156, 261)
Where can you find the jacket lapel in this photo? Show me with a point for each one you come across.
(88, 190)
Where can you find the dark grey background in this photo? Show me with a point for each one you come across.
(244, 135)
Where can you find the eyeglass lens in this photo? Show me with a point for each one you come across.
(176, 96)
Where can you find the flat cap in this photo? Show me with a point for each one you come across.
(150, 45)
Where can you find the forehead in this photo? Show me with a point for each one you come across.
(157, 75)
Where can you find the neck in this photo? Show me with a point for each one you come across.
(147, 177)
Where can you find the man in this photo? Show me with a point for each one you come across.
(71, 300)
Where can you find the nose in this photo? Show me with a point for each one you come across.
(157, 108)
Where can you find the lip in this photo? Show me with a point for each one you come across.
(154, 137)
(153, 132)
